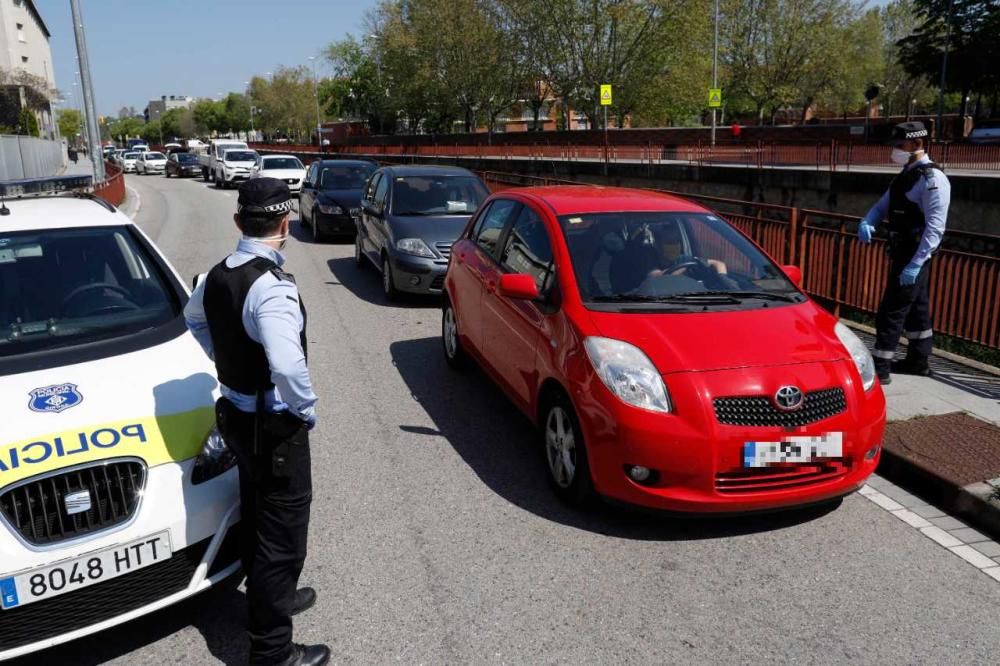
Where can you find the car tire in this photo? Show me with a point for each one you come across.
(204, 174)
(359, 256)
(388, 281)
(166, 174)
(318, 235)
(454, 353)
(564, 451)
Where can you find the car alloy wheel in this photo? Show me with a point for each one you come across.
(317, 236)
(453, 352)
(560, 447)
(565, 451)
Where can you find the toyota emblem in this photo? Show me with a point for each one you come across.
(788, 398)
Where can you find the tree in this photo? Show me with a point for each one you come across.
(236, 112)
(70, 123)
(125, 128)
(208, 116)
(285, 102)
(972, 46)
(170, 122)
(151, 132)
(27, 123)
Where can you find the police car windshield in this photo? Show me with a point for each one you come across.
(66, 287)
(344, 177)
(282, 163)
(437, 195)
(676, 259)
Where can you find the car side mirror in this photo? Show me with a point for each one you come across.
(793, 273)
(518, 285)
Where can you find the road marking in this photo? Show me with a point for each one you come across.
(960, 539)
(138, 201)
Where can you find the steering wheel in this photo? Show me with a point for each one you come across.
(689, 262)
(99, 285)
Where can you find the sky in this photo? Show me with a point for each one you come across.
(142, 49)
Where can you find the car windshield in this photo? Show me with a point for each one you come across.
(673, 258)
(187, 158)
(437, 195)
(155, 156)
(131, 156)
(240, 156)
(282, 163)
(344, 177)
(66, 287)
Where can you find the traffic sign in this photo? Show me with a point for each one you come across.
(605, 94)
(714, 97)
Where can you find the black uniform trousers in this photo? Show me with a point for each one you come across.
(904, 309)
(275, 500)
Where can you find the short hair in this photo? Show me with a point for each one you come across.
(260, 226)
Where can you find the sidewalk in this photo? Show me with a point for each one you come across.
(942, 440)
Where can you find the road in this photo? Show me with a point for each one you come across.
(435, 539)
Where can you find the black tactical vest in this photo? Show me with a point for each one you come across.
(906, 220)
(240, 362)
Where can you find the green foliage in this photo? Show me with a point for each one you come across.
(27, 124)
(70, 122)
(285, 103)
(151, 132)
(125, 128)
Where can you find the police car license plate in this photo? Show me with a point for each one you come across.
(80, 572)
(793, 450)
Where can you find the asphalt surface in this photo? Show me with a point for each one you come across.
(435, 538)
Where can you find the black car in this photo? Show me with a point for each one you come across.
(410, 217)
(331, 196)
(183, 164)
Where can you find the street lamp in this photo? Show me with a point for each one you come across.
(253, 134)
(319, 127)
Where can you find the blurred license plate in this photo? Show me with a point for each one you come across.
(70, 575)
(794, 450)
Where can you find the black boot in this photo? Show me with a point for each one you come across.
(307, 655)
(882, 370)
(305, 598)
(912, 366)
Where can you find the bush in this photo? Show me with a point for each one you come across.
(27, 123)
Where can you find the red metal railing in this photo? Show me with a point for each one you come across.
(112, 189)
(758, 154)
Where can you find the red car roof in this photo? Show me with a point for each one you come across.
(578, 199)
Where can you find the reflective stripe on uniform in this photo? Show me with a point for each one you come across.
(878, 353)
(919, 335)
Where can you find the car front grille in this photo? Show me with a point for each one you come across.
(75, 610)
(444, 249)
(36, 509)
(437, 283)
(763, 479)
(760, 411)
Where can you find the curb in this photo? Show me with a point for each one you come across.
(132, 203)
(969, 503)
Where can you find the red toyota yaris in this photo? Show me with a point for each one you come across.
(668, 362)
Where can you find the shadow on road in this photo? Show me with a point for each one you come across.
(500, 445)
(366, 284)
(218, 614)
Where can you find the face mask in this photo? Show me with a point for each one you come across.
(283, 240)
(900, 156)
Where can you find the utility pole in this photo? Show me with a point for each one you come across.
(253, 134)
(319, 128)
(939, 131)
(94, 134)
(715, 65)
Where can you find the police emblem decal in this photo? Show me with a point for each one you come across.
(788, 398)
(56, 398)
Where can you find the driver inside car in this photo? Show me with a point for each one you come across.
(654, 251)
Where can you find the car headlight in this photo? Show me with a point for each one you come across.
(628, 373)
(331, 209)
(214, 459)
(859, 352)
(414, 246)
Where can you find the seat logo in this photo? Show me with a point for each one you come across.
(56, 398)
(788, 398)
(78, 502)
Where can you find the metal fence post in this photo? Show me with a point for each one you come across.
(793, 233)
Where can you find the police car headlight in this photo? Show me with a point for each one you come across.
(859, 352)
(414, 246)
(628, 373)
(214, 459)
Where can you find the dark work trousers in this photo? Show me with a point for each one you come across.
(275, 520)
(904, 309)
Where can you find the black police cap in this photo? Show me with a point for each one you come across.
(909, 130)
(264, 196)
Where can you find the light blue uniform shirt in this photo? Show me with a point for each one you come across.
(932, 194)
(272, 318)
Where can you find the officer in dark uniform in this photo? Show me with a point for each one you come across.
(249, 318)
(916, 212)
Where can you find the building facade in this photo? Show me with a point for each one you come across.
(25, 49)
(157, 107)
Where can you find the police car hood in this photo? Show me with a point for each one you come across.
(156, 404)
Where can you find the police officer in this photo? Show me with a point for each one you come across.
(916, 211)
(249, 318)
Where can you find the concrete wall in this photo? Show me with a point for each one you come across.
(28, 157)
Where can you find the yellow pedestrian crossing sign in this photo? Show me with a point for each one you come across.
(714, 97)
(605, 94)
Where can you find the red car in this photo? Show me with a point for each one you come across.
(666, 359)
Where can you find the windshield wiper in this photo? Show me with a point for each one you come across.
(416, 213)
(765, 295)
(683, 299)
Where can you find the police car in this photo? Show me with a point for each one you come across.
(117, 495)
